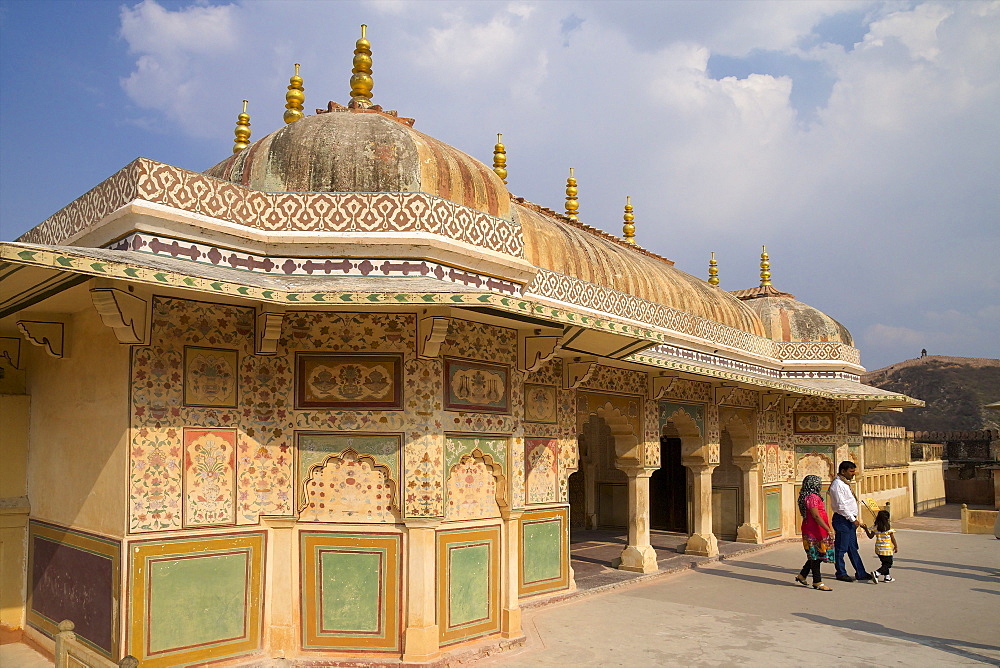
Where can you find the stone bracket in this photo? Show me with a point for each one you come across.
(431, 332)
(269, 322)
(578, 371)
(724, 393)
(49, 335)
(125, 313)
(850, 406)
(534, 351)
(10, 350)
(771, 401)
(660, 385)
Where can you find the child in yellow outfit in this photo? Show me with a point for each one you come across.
(885, 543)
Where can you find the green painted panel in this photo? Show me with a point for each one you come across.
(196, 600)
(350, 587)
(469, 580)
(542, 551)
(456, 447)
(772, 510)
(315, 448)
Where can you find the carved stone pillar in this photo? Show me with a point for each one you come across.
(702, 541)
(510, 609)
(638, 556)
(283, 560)
(421, 641)
(750, 531)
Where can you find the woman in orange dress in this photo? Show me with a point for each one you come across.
(817, 534)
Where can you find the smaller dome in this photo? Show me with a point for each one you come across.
(787, 319)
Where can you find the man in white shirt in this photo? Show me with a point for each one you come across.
(846, 523)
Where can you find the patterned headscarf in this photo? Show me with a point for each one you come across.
(811, 484)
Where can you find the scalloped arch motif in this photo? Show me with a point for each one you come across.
(349, 488)
(472, 487)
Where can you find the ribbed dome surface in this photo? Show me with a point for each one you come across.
(363, 151)
(787, 319)
(559, 246)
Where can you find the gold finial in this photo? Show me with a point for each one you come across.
(765, 268)
(628, 228)
(294, 98)
(713, 270)
(242, 130)
(500, 159)
(572, 203)
(361, 77)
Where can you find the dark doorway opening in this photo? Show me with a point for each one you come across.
(577, 501)
(668, 489)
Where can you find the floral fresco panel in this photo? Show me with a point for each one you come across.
(540, 404)
(349, 381)
(210, 377)
(209, 477)
(476, 386)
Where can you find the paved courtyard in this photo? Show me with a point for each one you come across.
(944, 609)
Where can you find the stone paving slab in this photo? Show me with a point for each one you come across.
(941, 611)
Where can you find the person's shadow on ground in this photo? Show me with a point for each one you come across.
(950, 645)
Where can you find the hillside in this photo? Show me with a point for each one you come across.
(955, 389)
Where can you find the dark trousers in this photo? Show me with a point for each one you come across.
(812, 565)
(846, 542)
(886, 560)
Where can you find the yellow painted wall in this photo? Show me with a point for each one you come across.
(14, 509)
(929, 491)
(77, 462)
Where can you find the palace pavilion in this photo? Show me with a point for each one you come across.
(344, 396)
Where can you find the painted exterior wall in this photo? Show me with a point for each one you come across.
(14, 412)
(79, 430)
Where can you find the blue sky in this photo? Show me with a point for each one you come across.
(856, 139)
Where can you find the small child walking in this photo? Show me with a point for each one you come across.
(885, 543)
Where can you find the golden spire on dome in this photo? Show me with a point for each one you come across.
(242, 130)
(765, 268)
(628, 228)
(500, 159)
(361, 75)
(713, 270)
(572, 203)
(294, 98)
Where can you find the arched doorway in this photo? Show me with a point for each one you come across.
(598, 492)
(668, 509)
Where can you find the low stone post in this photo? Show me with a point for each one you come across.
(421, 639)
(510, 609)
(702, 541)
(638, 556)
(63, 638)
(749, 531)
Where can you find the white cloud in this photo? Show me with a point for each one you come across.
(879, 210)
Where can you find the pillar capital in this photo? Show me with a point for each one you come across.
(422, 523)
(634, 471)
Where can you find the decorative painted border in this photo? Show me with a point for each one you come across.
(195, 193)
(770, 530)
(471, 407)
(393, 404)
(388, 547)
(143, 553)
(217, 256)
(458, 539)
(558, 516)
(824, 350)
(99, 546)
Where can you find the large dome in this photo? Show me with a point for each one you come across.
(354, 150)
(559, 246)
(787, 319)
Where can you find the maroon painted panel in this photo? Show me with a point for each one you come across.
(70, 583)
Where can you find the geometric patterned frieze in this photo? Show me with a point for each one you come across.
(161, 246)
(144, 179)
(818, 351)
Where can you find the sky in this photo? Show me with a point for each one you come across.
(858, 140)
